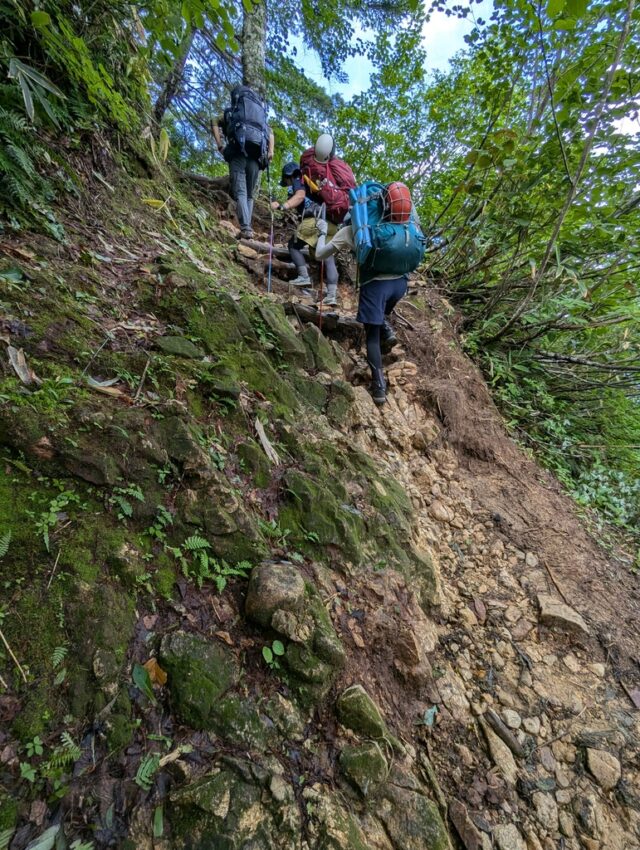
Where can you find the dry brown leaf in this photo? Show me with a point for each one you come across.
(21, 367)
(225, 636)
(155, 671)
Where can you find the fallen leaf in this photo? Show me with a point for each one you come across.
(270, 452)
(20, 366)
(481, 611)
(105, 387)
(225, 636)
(149, 621)
(155, 671)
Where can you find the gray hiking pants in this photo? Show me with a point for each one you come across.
(243, 174)
(300, 262)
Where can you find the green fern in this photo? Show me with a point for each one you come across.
(5, 540)
(58, 656)
(147, 769)
(70, 746)
(195, 543)
(65, 754)
(5, 837)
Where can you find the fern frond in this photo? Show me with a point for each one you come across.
(58, 656)
(146, 771)
(70, 746)
(194, 543)
(5, 540)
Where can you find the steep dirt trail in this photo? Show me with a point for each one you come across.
(498, 700)
(505, 535)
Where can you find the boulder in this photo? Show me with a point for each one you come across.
(274, 587)
(358, 712)
(199, 672)
(364, 766)
(179, 346)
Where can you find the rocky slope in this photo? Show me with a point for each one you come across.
(244, 608)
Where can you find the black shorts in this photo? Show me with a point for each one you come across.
(378, 298)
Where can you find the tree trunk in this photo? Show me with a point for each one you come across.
(254, 38)
(174, 78)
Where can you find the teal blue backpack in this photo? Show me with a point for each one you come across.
(382, 246)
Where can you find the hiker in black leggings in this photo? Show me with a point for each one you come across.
(377, 298)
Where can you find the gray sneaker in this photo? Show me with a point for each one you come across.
(330, 301)
(301, 280)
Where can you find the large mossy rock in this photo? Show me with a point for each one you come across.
(365, 767)
(239, 807)
(286, 340)
(279, 598)
(199, 672)
(412, 821)
(358, 712)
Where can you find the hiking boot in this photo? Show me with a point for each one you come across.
(246, 233)
(388, 337)
(329, 301)
(378, 387)
(301, 280)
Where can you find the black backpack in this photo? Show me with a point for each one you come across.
(246, 124)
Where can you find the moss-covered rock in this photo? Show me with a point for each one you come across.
(179, 346)
(341, 397)
(234, 810)
(412, 821)
(312, 507)
(358, 712)
(365, 766)
(274, 587)
(286, 340)
(311, 392)
(254, 462)
(320, 350)
(199, 672)
(240, 722)
(178, 440)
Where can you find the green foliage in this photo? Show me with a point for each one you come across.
(120, 498)
(5, 541)
(198, 564)
(272, 653)
(147, 769)
(142, 681)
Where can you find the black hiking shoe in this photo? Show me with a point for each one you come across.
(378, 387)
(388, 337)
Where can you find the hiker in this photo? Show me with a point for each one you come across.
(384, 233)
(320, 185)
(248, 149)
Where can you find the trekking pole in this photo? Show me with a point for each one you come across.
(321, 214)
(271, 230)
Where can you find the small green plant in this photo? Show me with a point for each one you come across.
(163, 519)
(198, 564)
(274, 532)
(27, 771)
(272, 653)
(48, 519)
(311, 536)
(147, 769)
(5, 540)
(120, 499)
(163, 472)
(35, 747)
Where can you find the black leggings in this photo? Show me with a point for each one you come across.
(374, 354)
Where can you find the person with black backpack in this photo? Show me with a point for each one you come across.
(383, 232)
(248, 149)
